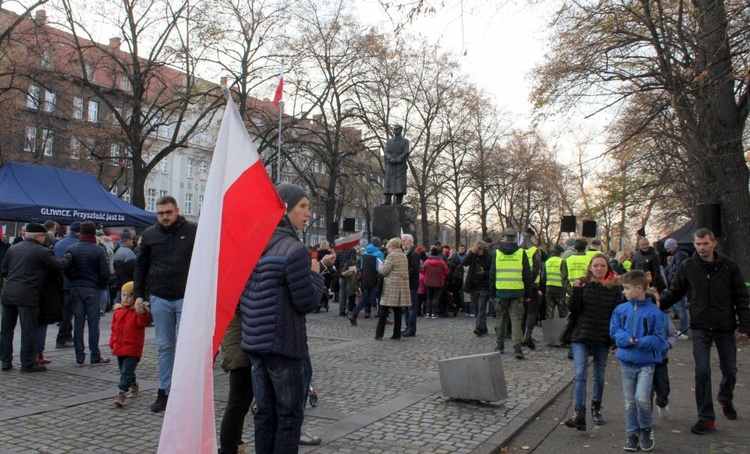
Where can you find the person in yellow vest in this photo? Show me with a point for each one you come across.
(510, 277)
(531, 308)
(594, 248)
(556, 270)
(577, 264)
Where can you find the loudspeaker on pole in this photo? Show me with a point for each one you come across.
(708, 215)
(334, 228)
(348, 225)
(588, 230)
(568, 224)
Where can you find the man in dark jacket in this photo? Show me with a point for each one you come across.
(414, 261)
(284, 286)
(477, 260)
(65, 330)
(342, 257)
(718, 305)
(161, 272)
(88, 275)
(124, 263)
(24, 270)
(647, 260)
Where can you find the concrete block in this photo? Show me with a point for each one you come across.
(553, 329)
(474, 377)
(388, 220)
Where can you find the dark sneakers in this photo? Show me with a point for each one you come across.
(703, 427)
(729, 410)
(34, 368)
(647, 439)
(7, 366)
(161, 402)
(518, 353)
(631, 444)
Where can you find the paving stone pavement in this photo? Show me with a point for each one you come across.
(545, 433)
(374, 397)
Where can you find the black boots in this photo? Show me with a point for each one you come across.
(596, 413)
(161, 402)
(578, 421)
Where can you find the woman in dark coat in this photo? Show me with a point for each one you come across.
(593, 300)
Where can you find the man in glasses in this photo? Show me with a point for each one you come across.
(162, 270)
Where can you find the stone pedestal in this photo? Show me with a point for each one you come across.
(388, 220)
(553, 329)
(474, 377)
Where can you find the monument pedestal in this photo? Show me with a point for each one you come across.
(388, 220)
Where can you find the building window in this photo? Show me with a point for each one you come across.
(32, 99)
(114, 154)
(162, 193)
(29, 144)
(46, 62)
(92, 146)
(126, 196)
(48, 141)
(89, 71)
(113, 191)
(164, 163)
(75, 148)
(78, 108)
(204, 168)
(151, 199)
(188, 203)
(49, 101)
(190, 167)
(124, 83)
(93, 111)
(165, 131)
(200, 204)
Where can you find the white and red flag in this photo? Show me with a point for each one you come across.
(347, 242)
(279, 95)
(240, 212)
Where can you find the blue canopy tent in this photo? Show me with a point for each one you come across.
(30, 192)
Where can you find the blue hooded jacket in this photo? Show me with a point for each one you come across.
(371, 249)
(644, 322)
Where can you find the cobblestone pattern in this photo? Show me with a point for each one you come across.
(353, 375)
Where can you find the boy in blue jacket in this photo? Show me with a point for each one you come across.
(638, 331)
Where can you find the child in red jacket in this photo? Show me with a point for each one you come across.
(126, 341)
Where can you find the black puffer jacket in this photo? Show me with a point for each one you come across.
(649, 262)
(593, 305)
(25, 268)
(164, 260)
(717, 293)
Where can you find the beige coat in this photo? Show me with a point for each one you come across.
(395, 269)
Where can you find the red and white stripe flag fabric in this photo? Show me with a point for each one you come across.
(279, 95)
(347, 242)
(240, 212)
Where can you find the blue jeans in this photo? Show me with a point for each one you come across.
(411, 312)
(479, 299)
(28, 316)
(279, 385)
(103, 301)
(727, 350)
(166, 314)
(581, 353)
(680, 308)
(369, 298)
(636, 393)
(65, 333)
(85, 302)
(41, 338)
(127, 365)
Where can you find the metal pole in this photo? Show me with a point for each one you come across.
(278, 153)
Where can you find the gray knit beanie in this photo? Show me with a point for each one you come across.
(291, 194)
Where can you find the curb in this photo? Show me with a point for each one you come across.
(501, 438)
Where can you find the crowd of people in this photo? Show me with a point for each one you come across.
(613, 302)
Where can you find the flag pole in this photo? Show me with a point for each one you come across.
(278, 152)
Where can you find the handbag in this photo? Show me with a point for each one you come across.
(568, 331)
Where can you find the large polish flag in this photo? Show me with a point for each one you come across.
(240, 212)
(347, 242)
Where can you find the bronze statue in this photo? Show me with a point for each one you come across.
(396, 154)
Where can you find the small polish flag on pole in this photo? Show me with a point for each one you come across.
(347, 242)
(241, 212)
(279, 95)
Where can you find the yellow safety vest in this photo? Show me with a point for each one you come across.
(591, 253)
(509, 270)
(552, 268)
(626, 264)
(577, 266)
(530, 251)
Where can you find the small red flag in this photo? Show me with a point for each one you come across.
(279, 96)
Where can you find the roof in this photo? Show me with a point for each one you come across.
(30, 192)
